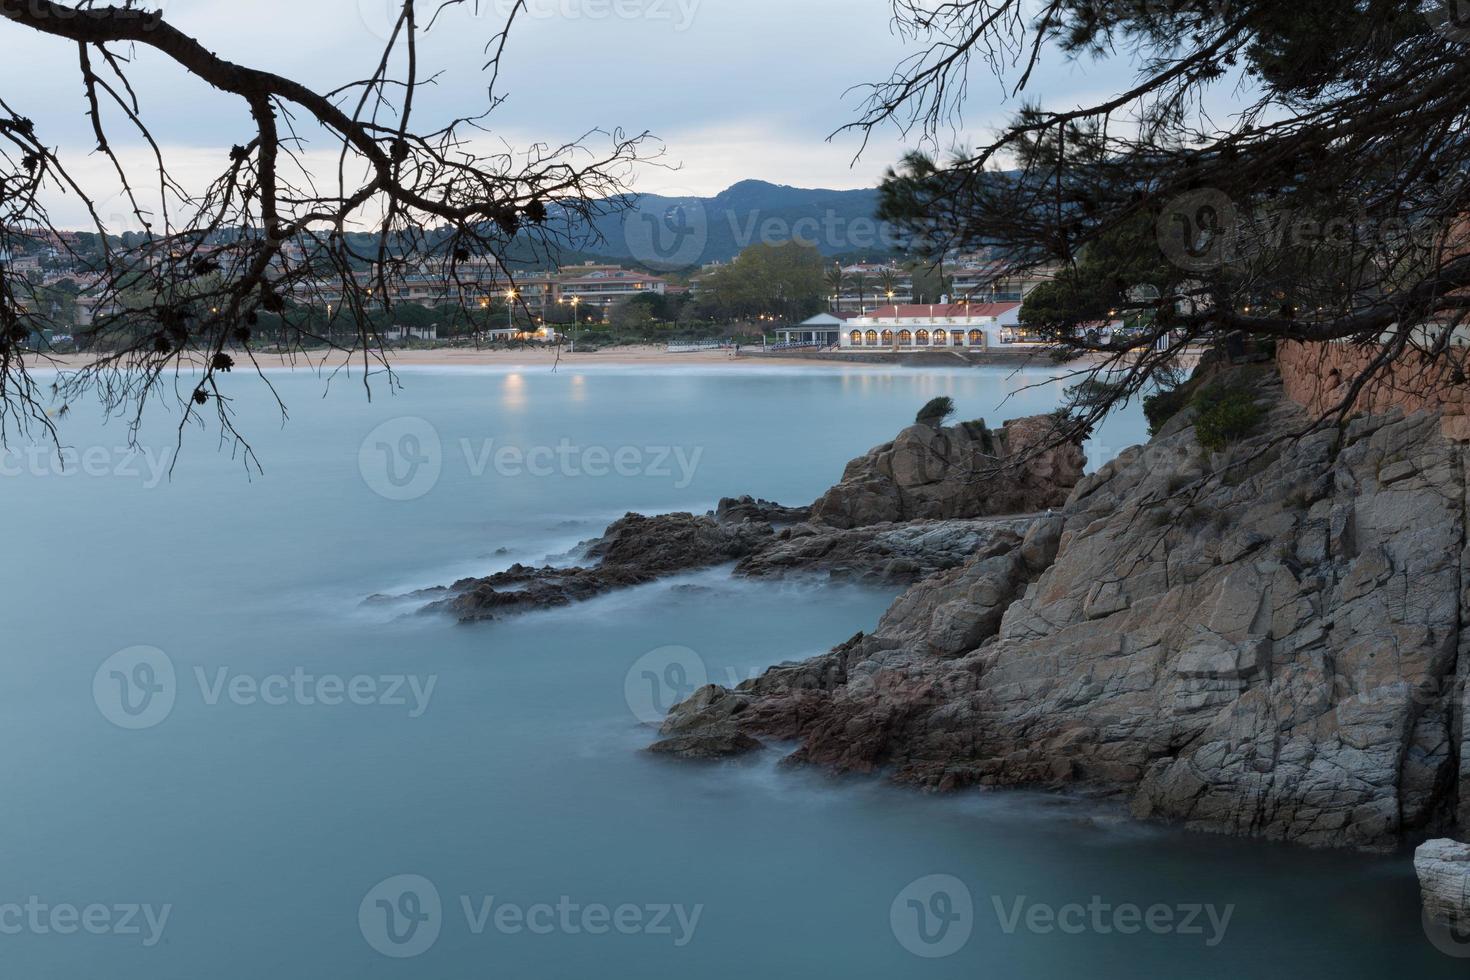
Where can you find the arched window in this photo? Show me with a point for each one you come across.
(888, 338)
(921, 339)
(977, 338)
(905, 339)
(856, 337)
(940, 338)
(957, 337)
(872, 338)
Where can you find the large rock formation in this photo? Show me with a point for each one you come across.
(637, 549)
(930, 473)
(1263, 642)
(1443, 867)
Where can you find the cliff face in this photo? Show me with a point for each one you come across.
(1265, 642)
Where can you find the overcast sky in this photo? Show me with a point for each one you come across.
(735, 89)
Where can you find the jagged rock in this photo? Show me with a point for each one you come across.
(965, 471)
(1443, 867)
(1262, 642)
(635, 550)
(883, 554)
(738, 510)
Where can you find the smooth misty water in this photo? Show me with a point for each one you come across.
(265, 826)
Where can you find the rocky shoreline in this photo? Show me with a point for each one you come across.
(918, 506)
(1262, 642)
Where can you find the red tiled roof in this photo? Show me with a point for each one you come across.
(943, 310)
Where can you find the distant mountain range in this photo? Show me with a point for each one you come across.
(682, 232)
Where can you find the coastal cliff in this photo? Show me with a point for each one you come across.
(1263, 641)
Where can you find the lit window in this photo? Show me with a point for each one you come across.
(921, 339)
(872, 338)
(905, 338)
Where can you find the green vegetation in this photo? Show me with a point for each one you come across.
(935, 412)
(1225, 413)
(1162, 406)
(784, 281)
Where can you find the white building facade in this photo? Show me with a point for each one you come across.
(963, 326)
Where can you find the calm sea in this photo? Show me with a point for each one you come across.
(220, 763)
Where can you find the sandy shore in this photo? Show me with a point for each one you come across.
(531, 357)
(641, 356)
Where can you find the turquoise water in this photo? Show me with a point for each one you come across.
(498, 767)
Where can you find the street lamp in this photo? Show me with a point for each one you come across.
(510, 309)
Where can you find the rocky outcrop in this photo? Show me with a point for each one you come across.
(965, 471)
(635, 550)
(738, 510)
(1443, 867)
(1263, 642)
(879, 554)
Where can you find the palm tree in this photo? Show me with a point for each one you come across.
(888, 283)
(836, 281)
(861, 282)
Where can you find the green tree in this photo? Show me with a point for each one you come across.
(1329, 205)
(780, 280)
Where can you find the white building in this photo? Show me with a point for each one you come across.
(953, 325)
(822, 330)
(398, 334)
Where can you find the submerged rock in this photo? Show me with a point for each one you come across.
(1264, 642)
(968, 470)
